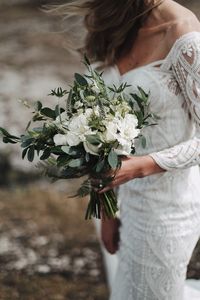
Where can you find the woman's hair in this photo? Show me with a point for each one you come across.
(111, 26)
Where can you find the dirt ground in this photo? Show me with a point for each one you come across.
(47, 249)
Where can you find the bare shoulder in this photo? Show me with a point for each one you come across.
(182, 21)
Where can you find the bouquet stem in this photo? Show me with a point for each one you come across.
(106, 202)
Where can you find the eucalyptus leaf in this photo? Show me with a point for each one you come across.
(113, 159)
(144, 95)
(8, 140)
(63, 160)
(80, 79)
(73, 151)
(7, 134)
(24, 152)
(100, 165)
(38, 105)
(27, 142)
(93, 139)
(46, 154)
(48, 112)
(76, 163)
(31, 153)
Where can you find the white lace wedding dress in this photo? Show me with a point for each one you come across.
(160, 214)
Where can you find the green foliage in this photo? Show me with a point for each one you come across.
(95, 157)
(113, 159)
(59, 92)
(80, 80)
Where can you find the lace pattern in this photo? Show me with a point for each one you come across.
(185, 65)
(160, 214)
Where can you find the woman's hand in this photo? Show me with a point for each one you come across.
(110, 234)
(131, 168)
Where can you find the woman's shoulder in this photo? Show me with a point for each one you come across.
(184, 22)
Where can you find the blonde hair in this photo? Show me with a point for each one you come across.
(107, 28)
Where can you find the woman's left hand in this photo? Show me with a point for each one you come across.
(133, 167)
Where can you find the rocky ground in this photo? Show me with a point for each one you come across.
(47, 250)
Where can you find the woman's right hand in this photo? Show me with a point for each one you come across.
(110, 234)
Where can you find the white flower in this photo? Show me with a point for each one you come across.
(78, 128)
(60, 139)
(78, 104)
(124, 128)
(72, 139)
(124, 150)
(63, 117)
(127, 128)
(96, 110)
(111, 131)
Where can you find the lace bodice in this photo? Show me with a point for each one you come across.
(174, 85)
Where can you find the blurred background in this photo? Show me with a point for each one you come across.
(47, 250)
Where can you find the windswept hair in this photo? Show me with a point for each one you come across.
(111, 26)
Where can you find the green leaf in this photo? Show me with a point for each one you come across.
(56, 150)
(7, 134)
(38, 105)
(45, 154)
(28, 125)
(100, 166)
(58, 110)
(27, 142)
(48, 112)
(7, 140)
(24, 152)
(139, 102)
(38, 129)
(86, 60)
(80, 79)
(76, 163)
(93, 139)
(143, 94)
(59, 92)
(31, 153)
(69, 150)
(63, 160)
(113, 159)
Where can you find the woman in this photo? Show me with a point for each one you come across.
(155, 45)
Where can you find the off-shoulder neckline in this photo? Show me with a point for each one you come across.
(160, 62)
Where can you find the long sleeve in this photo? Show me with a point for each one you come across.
(185, 64)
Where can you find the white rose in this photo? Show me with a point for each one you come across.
(60, 139)
(111, 130)
(78, 128)
(124, 150)
(72, 139)
(127, 128)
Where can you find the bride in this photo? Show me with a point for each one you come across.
(155, 45)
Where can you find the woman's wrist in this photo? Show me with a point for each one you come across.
(143, 166)
(149, 166)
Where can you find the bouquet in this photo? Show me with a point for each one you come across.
(87, 136)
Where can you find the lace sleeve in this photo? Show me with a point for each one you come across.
(185, 60)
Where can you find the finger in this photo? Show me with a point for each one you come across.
(116, 182)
